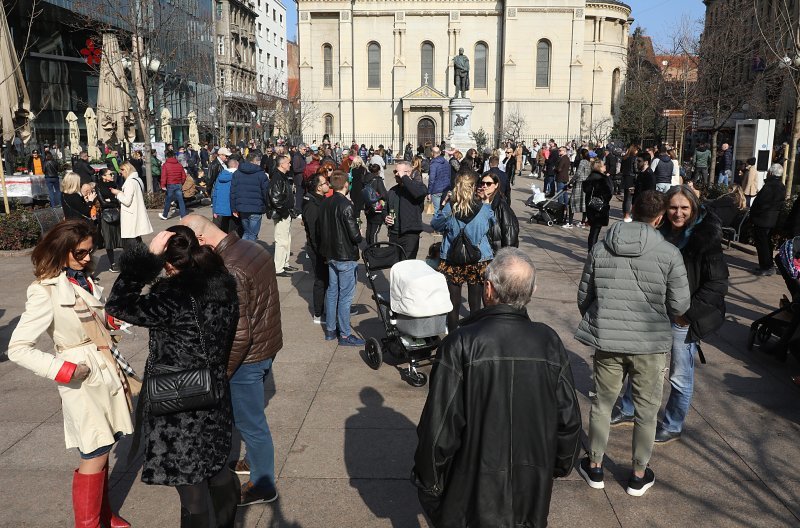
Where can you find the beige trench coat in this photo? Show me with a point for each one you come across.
(133, 214)
(94, 409)
(750, 183)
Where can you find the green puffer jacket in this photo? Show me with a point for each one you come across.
(632, 283)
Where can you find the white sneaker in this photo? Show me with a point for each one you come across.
(566, 226)
(161, 216)
(628, 220)
(578, 224)
(317, 319)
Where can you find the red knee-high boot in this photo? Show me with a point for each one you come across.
(108, 517)
(87, 497)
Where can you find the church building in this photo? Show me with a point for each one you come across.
(382, 70)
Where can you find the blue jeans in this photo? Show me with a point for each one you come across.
(247, 397)
(341, 290)
(681, 377)
(174, 193)
(723, 177)
(663, 187)
(436, 200)
(548, 184)
(564, 198)
(53, 191)
(251, 223)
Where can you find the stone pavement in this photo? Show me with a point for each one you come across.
(345, 434)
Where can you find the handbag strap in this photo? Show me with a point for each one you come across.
(200, 330)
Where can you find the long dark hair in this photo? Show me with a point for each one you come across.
(51, 254)
(185, 252)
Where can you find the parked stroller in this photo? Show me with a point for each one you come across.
(549, 211)
(785, 321)
(415, 314)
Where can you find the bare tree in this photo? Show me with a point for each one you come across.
(600, 131)
(725, 53)
(779, 38)
(480, 138)
(293, 116)
(514, 125)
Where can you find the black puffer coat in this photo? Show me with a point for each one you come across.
(505, 230)
(598, 185)
(182, 448)
(501, 421)
(707, 274)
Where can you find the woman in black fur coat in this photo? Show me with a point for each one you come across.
(187, 450)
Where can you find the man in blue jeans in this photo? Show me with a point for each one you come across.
(256, 343)
(249, 188)
(172, 178)
(339, 239)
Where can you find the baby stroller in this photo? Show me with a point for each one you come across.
(415, 314)
(785, 321)
(549, 211)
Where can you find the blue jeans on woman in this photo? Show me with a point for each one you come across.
(53, 191)
(339, 298)
(174, 193)
(247, 397)
(681, 377)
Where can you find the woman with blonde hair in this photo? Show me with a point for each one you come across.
(464, 222)
(65, 303)
(134, 222)
(75, 203)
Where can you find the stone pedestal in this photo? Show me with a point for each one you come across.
(461, 124)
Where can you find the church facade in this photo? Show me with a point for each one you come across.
(384, 69)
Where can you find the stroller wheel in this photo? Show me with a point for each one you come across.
(373, 353)
(550, 223)
(416, 379)
(763, 334)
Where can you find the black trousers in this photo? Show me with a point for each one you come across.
(408, 241)
(320, 269)
(594, 234)
(229, 224)
(761, 239)
(627, 200)
(374, 223)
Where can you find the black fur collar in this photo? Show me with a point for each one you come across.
(706, 236)
(217, 287)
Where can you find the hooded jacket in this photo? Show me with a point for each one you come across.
(221, 193)
(438, 176)
(249, 188)
(702, 158)
(500, 422)
(632, 283)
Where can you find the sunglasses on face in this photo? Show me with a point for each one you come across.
(486, 184)
(81, 254)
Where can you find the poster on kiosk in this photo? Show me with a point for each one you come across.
(754, 140)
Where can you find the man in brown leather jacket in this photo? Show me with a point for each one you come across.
(258, 339)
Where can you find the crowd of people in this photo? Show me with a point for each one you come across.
(653, 285)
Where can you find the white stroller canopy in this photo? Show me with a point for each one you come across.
(417, 290)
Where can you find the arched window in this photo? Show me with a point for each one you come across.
(374, 65)
(614, 90)
(328, 120)
(426, 56)
(327, 70)
(481, 52)
(543, 64)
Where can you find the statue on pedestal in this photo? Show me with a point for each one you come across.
(461, 77)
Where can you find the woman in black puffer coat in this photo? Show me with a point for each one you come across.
(187, 450)
(597, 185)
(505, 230)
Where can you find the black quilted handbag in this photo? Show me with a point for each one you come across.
(172, 390)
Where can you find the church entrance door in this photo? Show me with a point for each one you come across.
(426, 131)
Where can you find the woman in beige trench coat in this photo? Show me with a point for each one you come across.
(94, 391)
(133, 220)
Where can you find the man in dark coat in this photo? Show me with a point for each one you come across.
(249, 189)
(406, 201)
(316, 189)
(764, 215)
(645, 179)
(505, 186)
(490, 443)
(82, 168)
(281, 210)
(298, 167)
(217, 166)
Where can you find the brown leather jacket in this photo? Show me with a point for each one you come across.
(258, 333)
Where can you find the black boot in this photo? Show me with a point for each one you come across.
(225, 499)
(194, 520)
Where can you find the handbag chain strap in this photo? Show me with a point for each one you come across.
(200, 330)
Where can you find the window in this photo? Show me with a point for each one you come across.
(373, 65)
(260, 55)
(614, 90)
(480, 65)
(220, 45)
(273, 15)
(328, 121)
(219, 10)
(260, 29)
(281, 20)
(543, 64)
(276, 62)
(261, 81)
(282, 64)
(281, 42)
(426, 71)
(327, 69)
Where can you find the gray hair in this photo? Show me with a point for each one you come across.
(776, 170)
(404, 163)
(513, 276)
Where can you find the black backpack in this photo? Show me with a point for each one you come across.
(371, 196)
(462, 251)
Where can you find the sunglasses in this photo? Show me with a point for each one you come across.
(81, 254)
(485, 184)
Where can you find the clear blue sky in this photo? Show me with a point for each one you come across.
(658, 17)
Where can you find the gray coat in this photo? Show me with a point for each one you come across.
(577, 201)
(632, 283)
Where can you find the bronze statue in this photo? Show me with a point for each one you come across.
(461, 77)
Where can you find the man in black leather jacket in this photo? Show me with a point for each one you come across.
(339, 237)
(405, 202)
(82, 168)
(281, 210)
(501, 420)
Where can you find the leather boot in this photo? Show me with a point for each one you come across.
(225, 500)
(193, 520)
(87, 498)
(108, 517)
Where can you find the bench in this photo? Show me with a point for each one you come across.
(48, 217)
(733, 232)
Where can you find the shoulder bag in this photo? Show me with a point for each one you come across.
(172, 390)
(110, 215)
(462, 251)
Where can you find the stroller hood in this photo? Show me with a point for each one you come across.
(417, 290)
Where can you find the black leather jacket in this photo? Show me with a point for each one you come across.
(338, 232)
(505, 229)
(281, 195)
(500, 422)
